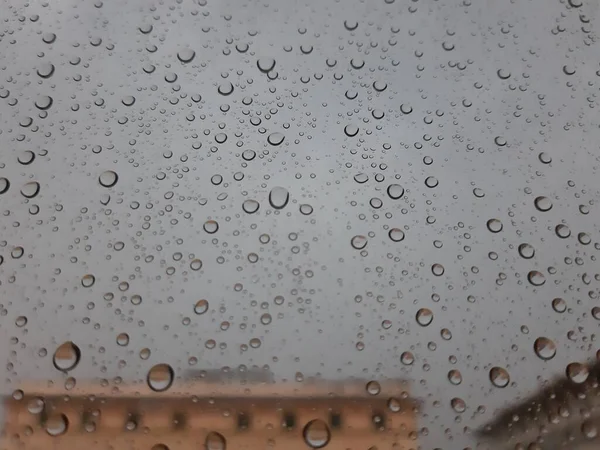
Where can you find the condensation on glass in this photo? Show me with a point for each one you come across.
(300, 224)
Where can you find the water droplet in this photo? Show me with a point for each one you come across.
(88, 280)
(145, 28)
(57, 424)
(405, 108)
(45, 70)
(437, 270)
(359, 242)
(431, 182)
(156, 446)
(225, 88)
(562, 231)
(43, 102)
(407, 358)
(215, 441)
(577, 372)
(66, 357)
(559, 305)
(424, 317)
(361, 178)
(543, 204)
(250, 206)
(545, 158)
(379, 86)
(186, 55)
(373, 388)
(396, 234)
(499, 377)
(526, 251)
(394, 405)
(458, 405)
(31, 189)
(494, 225)
(211, 226)
(201, 306)
(584, 238)
(265, 65)
(279, 197)
(351, 130)
(316, 434)
(160, 377)
(108, 179)
(275, 138)
(4, 185)
(306, 209)
(26, 157)
(544, 348)
(395, 191)
(536, 278)
(48, 38)
(350, 25)
(588, 428)
(455, 377)
(123, 339)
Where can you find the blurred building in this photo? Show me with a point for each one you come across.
(213, 414)
(563, 415)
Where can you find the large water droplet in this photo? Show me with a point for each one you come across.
(57, 424)
(211, 226)
(279, 197)
(250, 206)
(526, 251)
(45, 70)
(4, 185)
(275, 138)
(351, 130)
(499, 377)
(66, 357)
(215, 441)
(543, 204)
(108, 178)
(577, 372)
(225, 88)
(160, 377)
(186, 55)
(31, 189)
(544, 348)
(265, 64)
(359, 242)
(316, 434)
(396, 234)
(536, 278)
(494, 225)
(424, 317)
(201, 306)
(395, 191)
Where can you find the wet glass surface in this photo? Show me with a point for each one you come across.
(296, 192)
